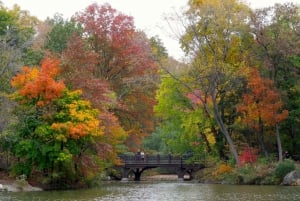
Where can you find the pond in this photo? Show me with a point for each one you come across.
(162, 191)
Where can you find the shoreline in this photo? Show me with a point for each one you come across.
(11, 185)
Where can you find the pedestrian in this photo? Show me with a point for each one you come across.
(286, 154)
(138, 155)
(142, 155)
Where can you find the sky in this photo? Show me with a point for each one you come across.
(147, 14)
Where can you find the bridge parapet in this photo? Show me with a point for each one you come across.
(162, 159)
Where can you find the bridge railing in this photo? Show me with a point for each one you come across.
(162, 159)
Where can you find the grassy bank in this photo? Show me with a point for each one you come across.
(262, 172)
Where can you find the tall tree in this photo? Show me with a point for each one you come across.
(125, 62)
(214, 37)
(16, 33)
(277, 51)
(78, 67)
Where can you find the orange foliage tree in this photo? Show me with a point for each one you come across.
(39, 86)
(60, 137)
(262, 106)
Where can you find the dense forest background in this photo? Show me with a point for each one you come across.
(76, 93)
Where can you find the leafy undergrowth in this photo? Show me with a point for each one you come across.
(262, 172)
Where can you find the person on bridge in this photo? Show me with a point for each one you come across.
(287, 155)
(138, 155)
(142, 155)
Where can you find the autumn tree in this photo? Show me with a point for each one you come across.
(124, 62)
(276, 50)
(57, 129)
(262, 108)
(214, 39)
(78, 72)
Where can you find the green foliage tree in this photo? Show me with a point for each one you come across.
(158, 49)
(60, 33)
(170, 107)
(183, 126)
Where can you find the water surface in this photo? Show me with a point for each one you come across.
(162, 191)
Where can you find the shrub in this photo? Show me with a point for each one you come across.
(21, 181)
(222, 169)
(225, 174)
(248, 155)
(284, 168)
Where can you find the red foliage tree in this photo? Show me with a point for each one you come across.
(79, 64)
(122, 63)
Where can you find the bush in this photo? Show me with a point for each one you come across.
(248, 156)
(222, 169)
(267, 160)
(270, 180)
(284, 168)
(247, 174)
(21, 181)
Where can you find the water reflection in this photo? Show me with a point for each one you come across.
(156, 192)
(163, 191)
(260, 193)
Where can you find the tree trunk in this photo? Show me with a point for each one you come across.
(203, 136)
(278, 142)
(224, 130)
(261, 137)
